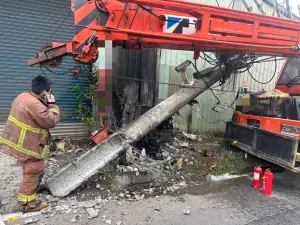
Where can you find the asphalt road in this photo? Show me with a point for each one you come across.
(234, 203)
(225, 203)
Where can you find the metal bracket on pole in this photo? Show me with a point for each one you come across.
(182, 70)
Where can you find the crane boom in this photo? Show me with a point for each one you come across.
(172, 24)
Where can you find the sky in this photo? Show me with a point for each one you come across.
(294, 5)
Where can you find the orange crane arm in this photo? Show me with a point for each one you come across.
(171, 24)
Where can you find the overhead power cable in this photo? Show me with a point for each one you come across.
(209, 122)
(260, 82)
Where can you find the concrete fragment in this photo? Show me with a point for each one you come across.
(73, 175)
(31, 220)
(165, 155)
(151, 191)
(73, 220)
(119, 223)
(184, 144)
(89, 204)
(61, 208)
(4, 202)
(50, 199)
(98, 206)
(186, 212)
(127, 179)
(192, 137)
(68, 211)
(177, 186)
(108, 221)
(92, 213)
(99, 200)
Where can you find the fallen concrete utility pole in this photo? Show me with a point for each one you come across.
(74, 174)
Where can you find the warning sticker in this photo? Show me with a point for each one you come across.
(256, 176)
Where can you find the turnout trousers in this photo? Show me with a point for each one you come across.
(33, 171)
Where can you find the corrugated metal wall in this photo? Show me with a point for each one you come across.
(135, 74)
(25, 27)
(190, 121)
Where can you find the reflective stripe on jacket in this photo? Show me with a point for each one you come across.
(25, 135)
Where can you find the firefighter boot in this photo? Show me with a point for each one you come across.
(34, 206)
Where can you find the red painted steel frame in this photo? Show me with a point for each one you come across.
(293, 90)
(268, 123)
(217, 29)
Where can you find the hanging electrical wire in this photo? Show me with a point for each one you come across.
(209, 122)
(228, 84)
(235, 62)
(195, 66)
(267, 81)
(60, 74)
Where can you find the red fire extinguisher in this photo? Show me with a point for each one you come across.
(267, 182)
(257, 177)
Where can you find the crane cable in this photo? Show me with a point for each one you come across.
(61, 23)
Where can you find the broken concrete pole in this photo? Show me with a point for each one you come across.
(74, 174)
(167, 108)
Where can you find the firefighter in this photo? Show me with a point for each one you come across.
(26, 138)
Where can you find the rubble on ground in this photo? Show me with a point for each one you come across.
(92, 213)
(159, 163)
(186, 212)
(162, 163)
(31, 220)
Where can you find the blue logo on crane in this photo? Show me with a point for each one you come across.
(172, 21)
(180, 25)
